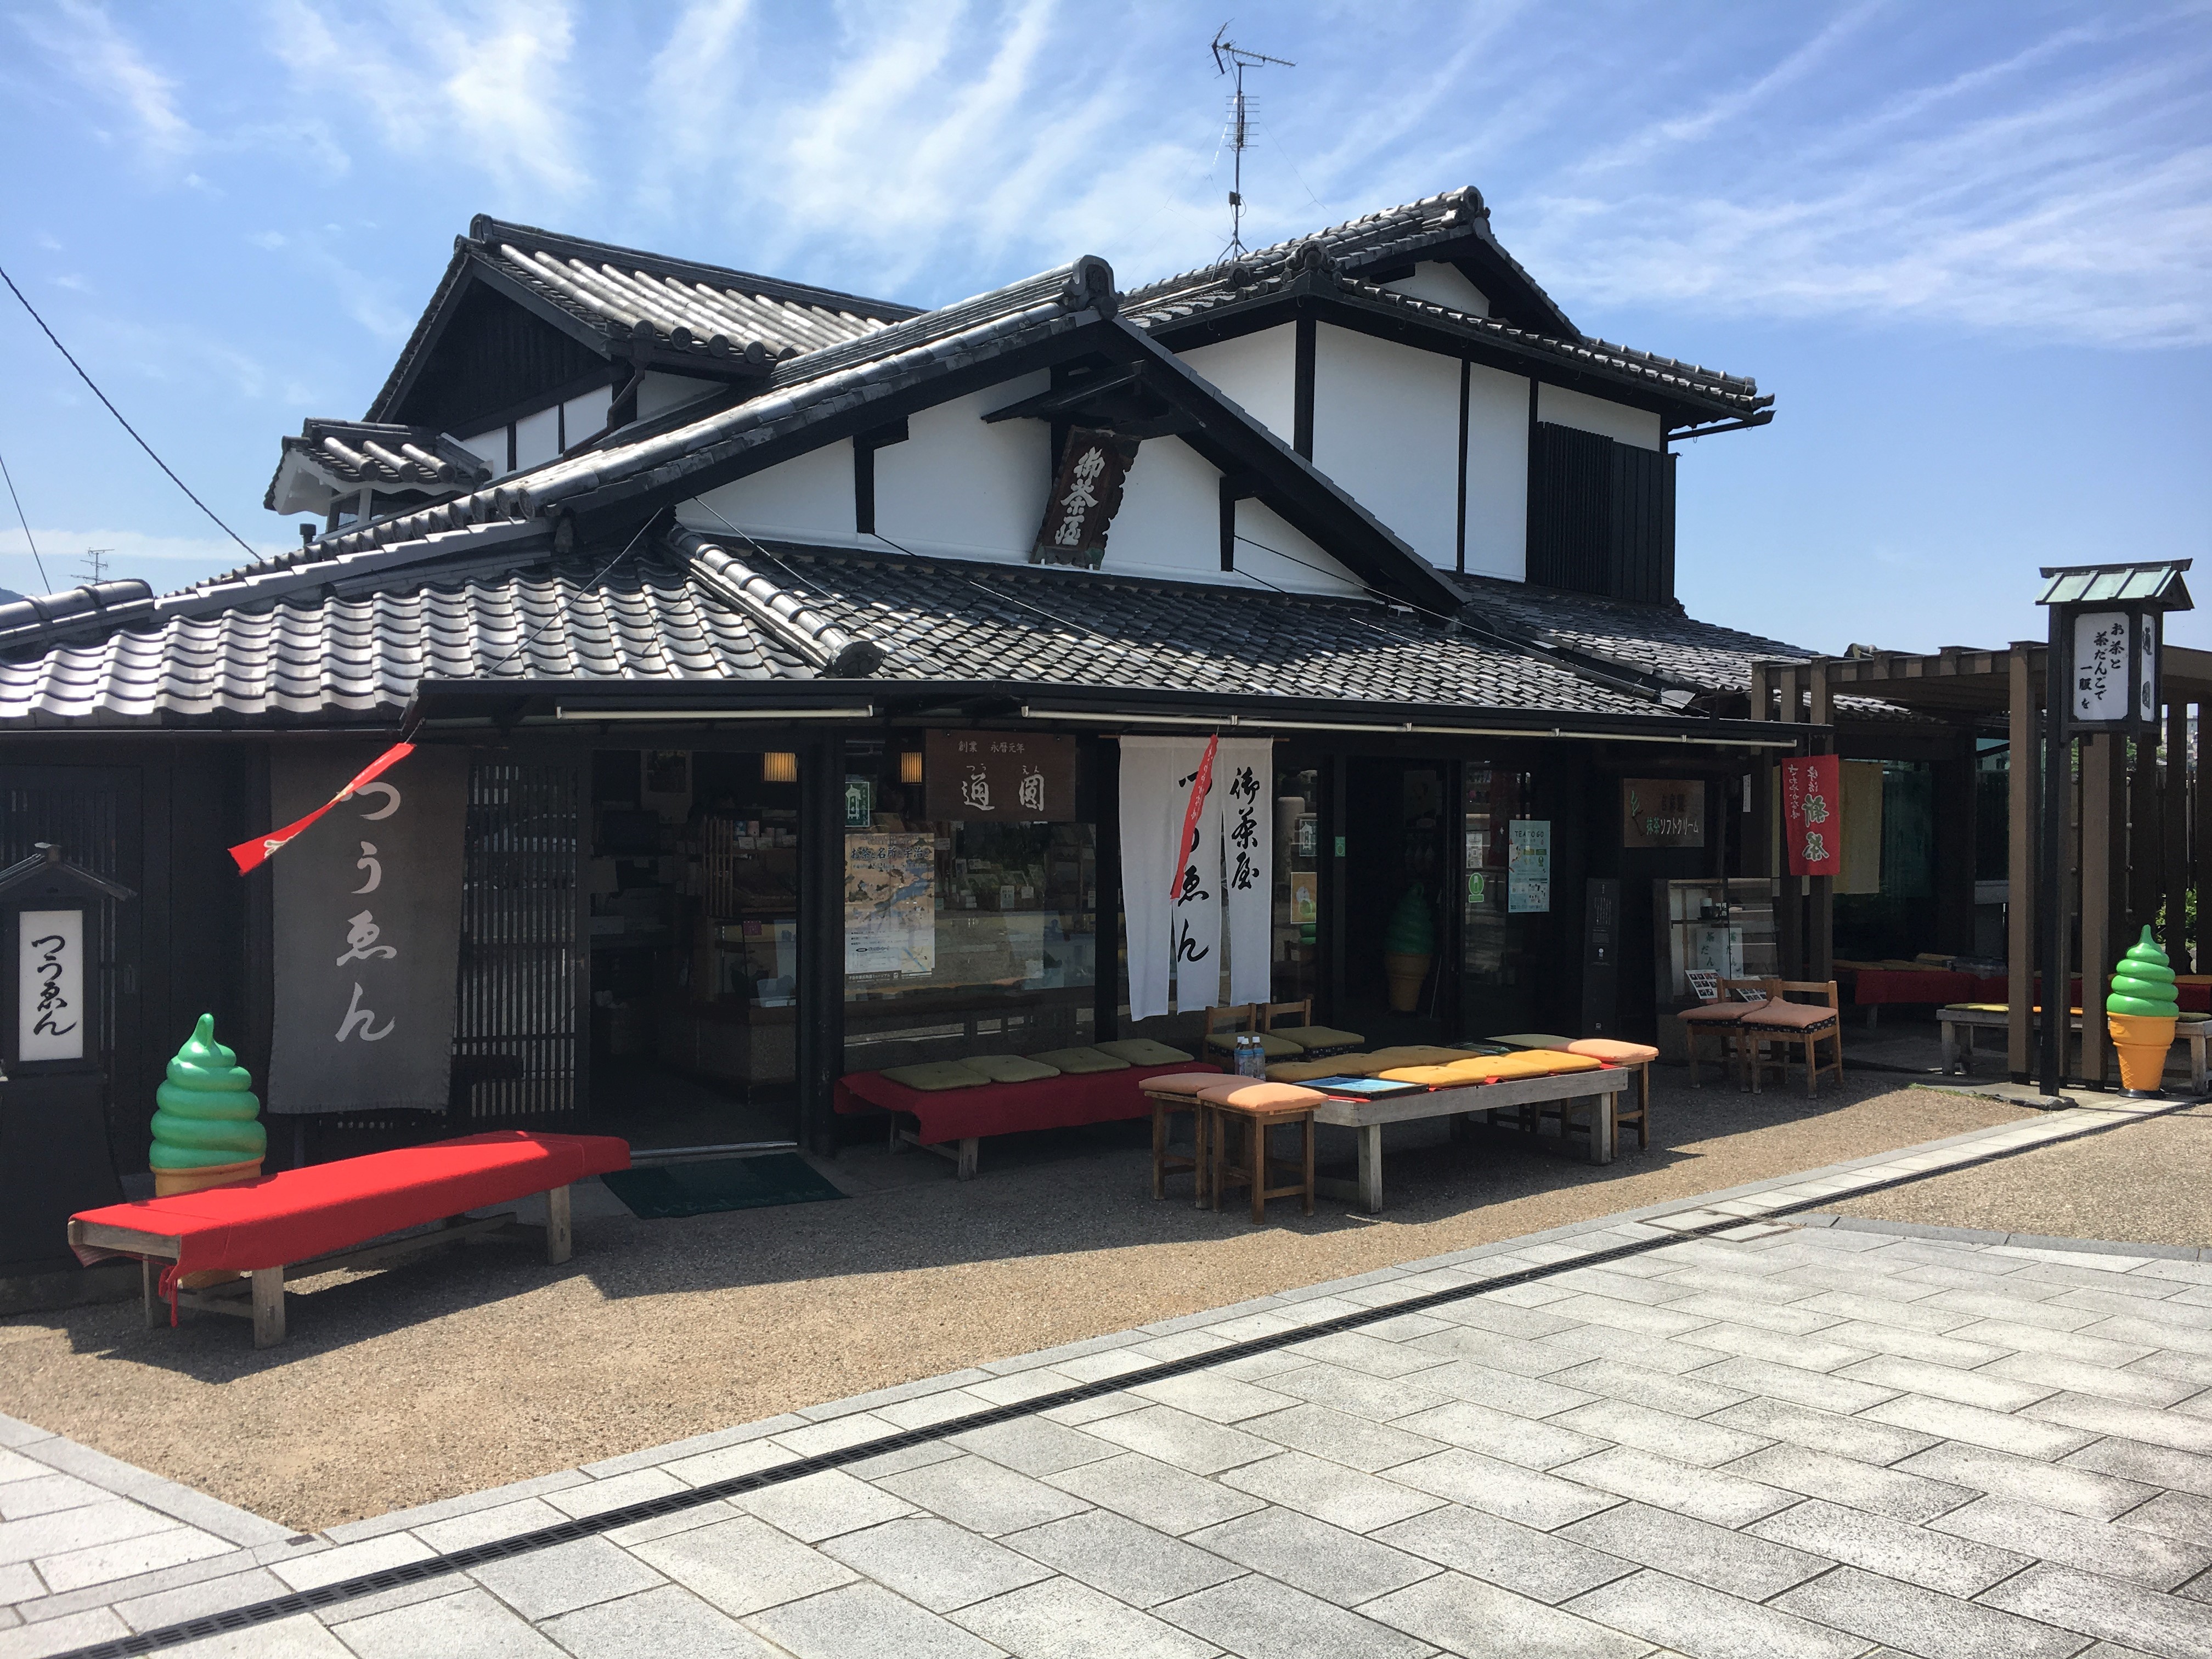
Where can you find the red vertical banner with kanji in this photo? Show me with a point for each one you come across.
(1812, 815)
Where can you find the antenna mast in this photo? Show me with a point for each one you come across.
(1230, 57)
(95, 563)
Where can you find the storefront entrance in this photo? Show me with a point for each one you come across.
(692, 885)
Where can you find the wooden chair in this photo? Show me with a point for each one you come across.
(1299, 1028)
(1790, 1024)
(1252, 1166)
(1225, 1025)
(1721, 1017)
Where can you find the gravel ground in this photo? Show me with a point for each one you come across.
(481, 1365)
(2147, 1184)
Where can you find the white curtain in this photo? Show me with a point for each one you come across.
(1174, 905)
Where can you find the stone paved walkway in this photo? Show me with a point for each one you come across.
(1773, 1436)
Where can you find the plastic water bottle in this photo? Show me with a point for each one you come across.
(1251, 1059)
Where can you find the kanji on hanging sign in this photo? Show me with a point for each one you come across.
(1084, 498)
(1812, 815)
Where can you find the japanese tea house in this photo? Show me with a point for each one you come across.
(691, 580)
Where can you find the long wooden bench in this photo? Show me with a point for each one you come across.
(258, 1234)
(1601, 1089)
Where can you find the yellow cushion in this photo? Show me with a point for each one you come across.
(1319, 1036)
(1079, 1061)
(1011, 1068)
(1534, 1040)
(1274, 1046)
(1180, 1083)
(1299, 1071)
(1620, 1053)
(1143, 1051)
(938, 1074)
(1253, 1094)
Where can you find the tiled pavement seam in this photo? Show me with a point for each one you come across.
(622, 1481)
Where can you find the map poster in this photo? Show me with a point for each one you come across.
(1529, 866)
(890, 904)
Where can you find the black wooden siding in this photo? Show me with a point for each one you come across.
(1600, 516)
(491, 355)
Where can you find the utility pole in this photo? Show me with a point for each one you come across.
(1229, 57)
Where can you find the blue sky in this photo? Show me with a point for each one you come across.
(1969, 246)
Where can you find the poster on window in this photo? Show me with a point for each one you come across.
(1812, 823)
(1178, 889)
(890, 904)
(50, 985)
(368, 921)
(1529, 866)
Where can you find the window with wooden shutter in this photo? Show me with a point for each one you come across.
(1600, 516)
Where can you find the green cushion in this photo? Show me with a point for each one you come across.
(1271, 1045)
(1078, 1061)
(1143, 1051)
(1533, 1040)
(1011, 1068)
(1319, 1036)
(938, 1074)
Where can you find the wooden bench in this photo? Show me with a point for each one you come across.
(1601, 1089)
(327, 1216)
(1959, 1056)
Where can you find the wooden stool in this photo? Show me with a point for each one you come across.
(1639, 1057)
(1253, 1169)
(1171, 1093)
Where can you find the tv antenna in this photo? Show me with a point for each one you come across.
(1230, 57)
(95, 563)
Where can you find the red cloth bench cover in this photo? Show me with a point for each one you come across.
(998, 1109)
(298, 1214)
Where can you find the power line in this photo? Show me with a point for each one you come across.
(5, 473)
(126, 426)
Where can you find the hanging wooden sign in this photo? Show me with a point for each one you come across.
(1084, 497)
(1004, 777)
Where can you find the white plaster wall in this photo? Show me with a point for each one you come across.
(657, 392)
(1282, 556)
(1443, 284)
(1259, 373)
(1170, 523)
(491, 447)
(1386, 429)
(538, 437)
(1584, 413)
(1497, 473)
(807, 498)
(584, 415)
(959, 487)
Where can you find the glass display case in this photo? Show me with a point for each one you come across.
(1724, 927)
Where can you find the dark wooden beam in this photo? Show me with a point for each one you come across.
(1302, 390)
(2022, 796)
(2173, 818)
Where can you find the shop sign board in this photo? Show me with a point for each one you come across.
(1529, 866)
(1084, 497)
(999, 777)
(50, 985)
(1812, 824)
(1663, 812)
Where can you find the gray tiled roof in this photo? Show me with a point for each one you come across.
(799, 390)
(386, 456)
(312, 659)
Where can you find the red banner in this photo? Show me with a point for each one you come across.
(250, 855)
(1812, 815)
(1201, 784)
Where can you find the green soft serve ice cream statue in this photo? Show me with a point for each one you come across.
(207, 1129)
(2140, 1009)
(1407, 946)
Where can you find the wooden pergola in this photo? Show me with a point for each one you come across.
(2139, 833)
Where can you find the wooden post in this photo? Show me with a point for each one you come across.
(1820, 932)
(2025, 767)
(2173, 869)
(268, 1307)
(2101, 783)
(149, 1280)
(2200, 845)
(559, 1229)
(2145, 860)
(1790, 906)
(1759, 834)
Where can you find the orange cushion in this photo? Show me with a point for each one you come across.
(1181, 1083)
(1252, 1095)
(1620, 1053)
(1790, 1015)
(1718, 1013)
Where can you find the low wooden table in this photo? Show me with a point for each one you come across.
(1602, 1088)
(1959, 1057)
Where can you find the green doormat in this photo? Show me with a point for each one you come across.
(659, 1192)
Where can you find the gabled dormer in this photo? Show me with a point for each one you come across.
(1417, 365)
(344, 471)
(536, 344)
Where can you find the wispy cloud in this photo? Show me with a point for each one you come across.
(478, 87)
(88, 46)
